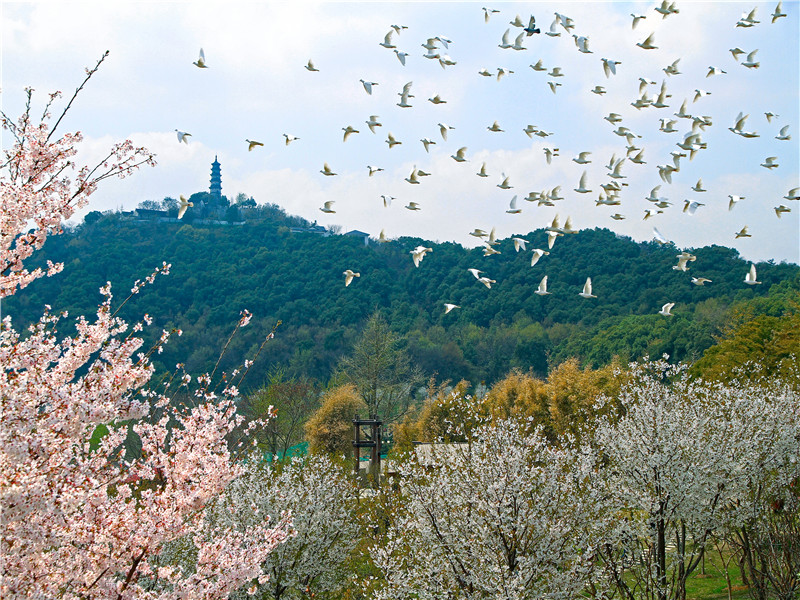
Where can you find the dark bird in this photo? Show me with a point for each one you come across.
(532, 28)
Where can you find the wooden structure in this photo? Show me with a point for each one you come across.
(367, 434)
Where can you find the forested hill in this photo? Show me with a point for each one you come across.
(298, 278)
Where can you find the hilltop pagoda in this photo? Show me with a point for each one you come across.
(216, 180)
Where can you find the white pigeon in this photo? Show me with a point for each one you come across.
(582, 42)
(459, 155)
(784, 134)
(401, 56)
(373, 122)
(486, 281)
(610, 66)
(326, 170)
(201, 60)
(347, 131)
(793, 194)
(448, 307)
(698, 187)
(367, 85)
(582, 158)
(659, 237)
(700, 280)
(443, 129)
(387, 40)
(413, 178)
(387, 200)
(732, 200)
(183, 206)
(750, 278)
(182, 135)
(418, 253)
(782, 208)
(348, 276)
(327, 207)
(778, 12)
(582, 189)
(482, 172)
(683, 258)
(691, 207)
(743, 233)
(750, 62)
(310, 66)
(413, 206)
(542, 289)
(290, 138)
(537, 254)
(770, 163)
(647, 44)
(512, 207)
(495, 127)
(475, 272)
(427, 142)
(665, 310)
(587, 289)
(373, 170)
(519, 243)
(504, 185)
(390, 139)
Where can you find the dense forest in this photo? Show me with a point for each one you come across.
(297, 279)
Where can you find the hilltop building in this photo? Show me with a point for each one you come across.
(216, 179)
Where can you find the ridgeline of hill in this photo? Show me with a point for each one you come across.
(298, 278)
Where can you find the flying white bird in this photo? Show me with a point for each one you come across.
(647, 44)
(582, 158)
(781, 209)
(348, 277)
(390, 139)
(443, 129)
(373, 170)
(459, 155)
(418, 253)
(582, 189)
(413, 206)
(252, 144)
(310, 66)
(290, 138)
(183, 206)
(770, 163)
(519, 243)
(537, 253)
(367, 85)
(512, 207)
(700, 280)
(778, 12)
(750, 278)
(683, 258)
(326, 170)
(610, 66)
(201, 60)
(448, 307)
(542, 289)
(327, 207)
(587, 289)
(387, 40)
(784, 134)
(482, 172)
(743, 233)
(665, 310)
(182, 135)
(347, 131)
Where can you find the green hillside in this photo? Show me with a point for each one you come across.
(262, 266)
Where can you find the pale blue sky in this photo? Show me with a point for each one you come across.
(256, 87)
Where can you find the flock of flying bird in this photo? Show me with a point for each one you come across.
(691, 144)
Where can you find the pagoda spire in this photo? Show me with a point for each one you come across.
(216, 179)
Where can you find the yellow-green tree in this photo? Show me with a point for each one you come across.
(330, 429)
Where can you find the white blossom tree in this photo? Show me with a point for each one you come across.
(322, 500)
(681, 457)
(503, 515)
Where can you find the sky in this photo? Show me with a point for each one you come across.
(256, 87)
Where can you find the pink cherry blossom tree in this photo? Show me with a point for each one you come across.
(84, 515)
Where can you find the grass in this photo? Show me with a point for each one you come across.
(712, 585)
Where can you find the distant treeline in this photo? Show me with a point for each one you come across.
(297, 278)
